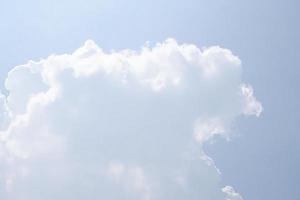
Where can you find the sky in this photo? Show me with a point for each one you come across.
(261, 159)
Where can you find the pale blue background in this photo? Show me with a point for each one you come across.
(263, 161)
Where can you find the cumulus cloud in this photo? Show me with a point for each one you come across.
(120, 125)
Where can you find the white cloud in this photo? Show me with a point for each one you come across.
(131, 178)
(251, 105)
(69, 117)
(207, 128)
(231, 194)
(4, 113)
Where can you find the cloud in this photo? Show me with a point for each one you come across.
(120, 125)
(251, 105)
(231, 194)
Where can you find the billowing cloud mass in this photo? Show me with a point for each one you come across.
(120, 125)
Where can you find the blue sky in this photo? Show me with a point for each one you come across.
(262, 160)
